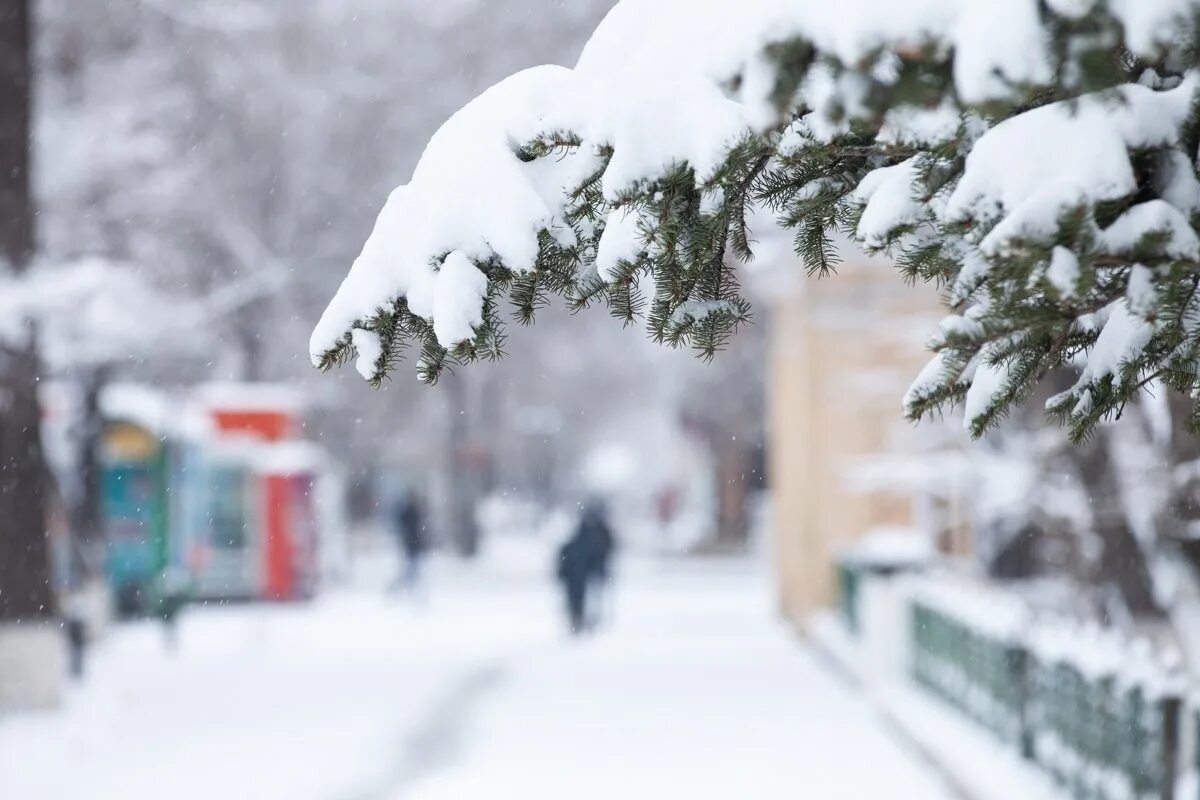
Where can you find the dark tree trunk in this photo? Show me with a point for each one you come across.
(1122, 564)
(25, 590)
(252, 352)
(16, 82)
(86, 513)
(1179, 521)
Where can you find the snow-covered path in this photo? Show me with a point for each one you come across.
(341, 699)
(692, 690)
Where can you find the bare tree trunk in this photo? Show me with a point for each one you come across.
(249, 336)
(25, 590)
(86, 514)
(1182, 512)
(1123, 563)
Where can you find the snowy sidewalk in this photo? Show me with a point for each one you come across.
(331, 700)
(692, 691)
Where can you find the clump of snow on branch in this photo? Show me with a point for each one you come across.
(370, 350)
(471, 194)
(889, 201)
(621, 241)
(1029, 168)
(1121, 340)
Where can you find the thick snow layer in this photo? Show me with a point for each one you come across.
(1063, 272)
(1028, 169)
(1148, 24)
(304, 702)
(1154, 216)
(692, 691)
(1177, 180)
(912, 126)
(988, 381)
(998, 43)
(930, 377)
(477, 694)
(1141, 293)
(458, 292)
(889, 194)
(1122, 339)
(621, 241)
(370, 349)
(469, 195)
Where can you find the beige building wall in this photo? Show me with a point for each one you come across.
(843, 351)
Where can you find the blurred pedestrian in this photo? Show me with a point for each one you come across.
(411, 535)
(75, 626)
(170, 594)
(583, 566)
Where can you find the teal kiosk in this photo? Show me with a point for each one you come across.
(135, 510)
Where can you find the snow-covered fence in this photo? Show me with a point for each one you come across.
(967, 650)
(1100, 714)
(1105, 712)
(883, 553)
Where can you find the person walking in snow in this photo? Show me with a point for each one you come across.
(410, 530)
(583, 565)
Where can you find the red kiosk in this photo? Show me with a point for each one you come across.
(287, 477)
(284, 472)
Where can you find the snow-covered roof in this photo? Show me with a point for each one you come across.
(290, 458)
(243, 396)
(140, 404)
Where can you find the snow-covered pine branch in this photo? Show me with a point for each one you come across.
(1035, 157)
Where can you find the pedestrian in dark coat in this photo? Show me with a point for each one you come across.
(410, 530)
(583, 566)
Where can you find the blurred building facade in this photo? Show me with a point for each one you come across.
(844, 463)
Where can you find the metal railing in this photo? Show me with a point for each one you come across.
(1101, 716)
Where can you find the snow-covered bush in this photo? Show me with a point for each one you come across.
(1035, 158)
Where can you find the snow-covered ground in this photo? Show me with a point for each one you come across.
(692, 688)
